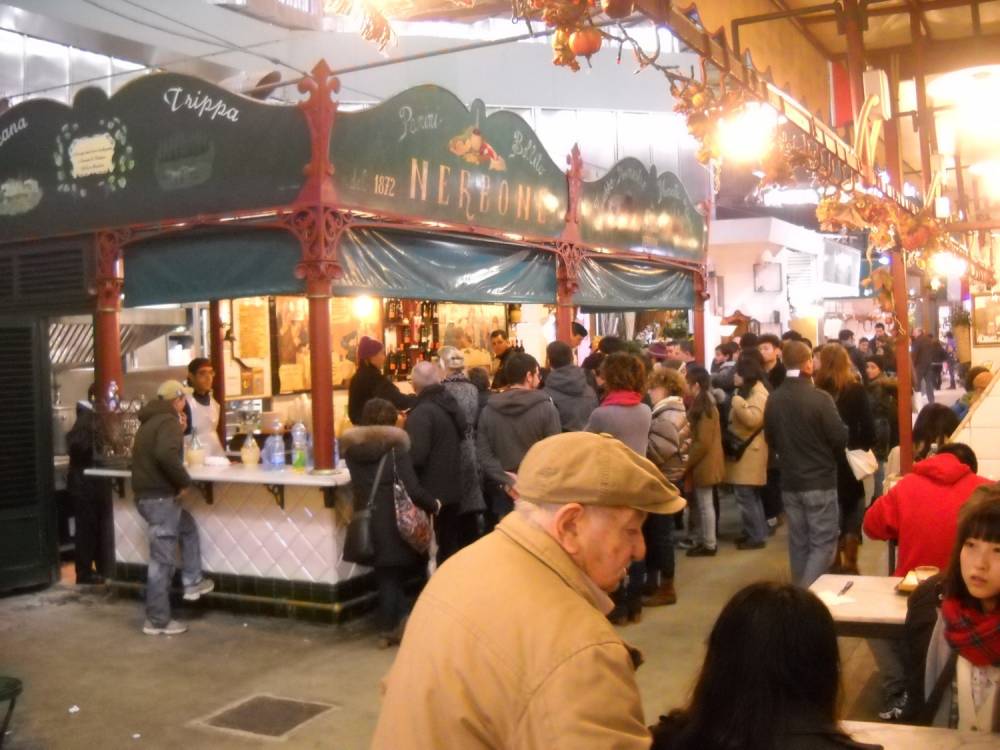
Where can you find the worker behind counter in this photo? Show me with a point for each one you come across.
(370, 382)
(201, 408)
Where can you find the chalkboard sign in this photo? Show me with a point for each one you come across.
(164, 146)
(633, 208)
(422, 154)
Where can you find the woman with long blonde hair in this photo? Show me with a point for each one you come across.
(837, 377)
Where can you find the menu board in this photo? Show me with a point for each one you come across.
(252, 324)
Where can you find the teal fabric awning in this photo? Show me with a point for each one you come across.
(393, 263)
(611, 284)
(211, 265)
(203, 266)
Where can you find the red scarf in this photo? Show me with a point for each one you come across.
(622, 398)
(974, 634)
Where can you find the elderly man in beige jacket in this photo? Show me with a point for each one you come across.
(508, 645)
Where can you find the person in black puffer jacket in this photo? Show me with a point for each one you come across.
(395, 560)
(437, 430)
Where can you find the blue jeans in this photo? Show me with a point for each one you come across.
(703, 517)
(168, 524)
(658, 531)
(751, 513)
(813, 532)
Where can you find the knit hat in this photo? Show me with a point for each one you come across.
(982, 380)
(368, 347)
(657, 350)
(594, 469)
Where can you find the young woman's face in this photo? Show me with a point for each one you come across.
(873, 370)
(980, 562)
(737, 380)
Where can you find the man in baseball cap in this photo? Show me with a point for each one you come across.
(509, 645)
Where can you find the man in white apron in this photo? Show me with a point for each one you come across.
(203, 410)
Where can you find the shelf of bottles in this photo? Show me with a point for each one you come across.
(411, 335)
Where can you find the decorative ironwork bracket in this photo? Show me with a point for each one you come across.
(278, 492)
(109, 278)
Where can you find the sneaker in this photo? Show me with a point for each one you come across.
(702, 551)
(685, 543)
(193, 592)
(171, 628)
(895, 709)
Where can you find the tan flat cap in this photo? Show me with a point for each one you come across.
(593, 469)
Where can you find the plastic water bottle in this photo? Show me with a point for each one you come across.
(336, 453)
(300, 447)
(274, 449)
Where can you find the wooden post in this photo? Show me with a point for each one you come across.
(699, 318)
(109, 280)
(903, 364)
(854, 33)
(217, 343)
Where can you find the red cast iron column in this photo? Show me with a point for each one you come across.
(568, 255)
(699, 317)
(109, 280)
(217, 342)
(319, 227)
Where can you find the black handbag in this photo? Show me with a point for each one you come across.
(359, 544)
(734, 446)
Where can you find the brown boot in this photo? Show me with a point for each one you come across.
(837, 566)
(850, 544)
(663, 596)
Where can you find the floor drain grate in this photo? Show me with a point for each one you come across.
(266, 715)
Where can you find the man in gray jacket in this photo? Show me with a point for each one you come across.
(512, 422)
(803, 425)
(566, 384)
(160, 481)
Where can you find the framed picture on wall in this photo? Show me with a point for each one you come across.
(986, 320)
(468, 327)
(767, 277)
(290, 365)
(350, 319)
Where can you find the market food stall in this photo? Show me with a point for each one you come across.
(419, 221)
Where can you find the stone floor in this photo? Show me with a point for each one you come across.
(93, 681)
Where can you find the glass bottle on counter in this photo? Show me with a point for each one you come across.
(196, 451)
(250, 451)
(300, 447)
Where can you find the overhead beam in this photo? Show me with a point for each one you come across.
(942, 55)
(805, 32)
(899, 9)
(916, 8)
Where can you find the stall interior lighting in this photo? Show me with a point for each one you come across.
(365, 308)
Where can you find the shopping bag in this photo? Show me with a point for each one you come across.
(414, 524)
(862, 463)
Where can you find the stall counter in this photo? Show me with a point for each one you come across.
(264, 533)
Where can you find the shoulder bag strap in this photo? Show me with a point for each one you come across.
(378, 478)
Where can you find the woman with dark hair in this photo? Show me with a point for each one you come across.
(623, 414)
(970, 617)
(705, 460)
(380, 451)
(770, 681)
(747, 473)
(837, 378)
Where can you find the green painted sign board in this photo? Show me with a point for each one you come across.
(422, 154)
(164, 146)
(633, 208)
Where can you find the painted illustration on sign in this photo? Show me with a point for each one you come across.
(18, 196)
(423, 154)
(633, 208)
(184, 160)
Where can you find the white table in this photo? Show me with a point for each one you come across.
(870, 609)
(906, 737)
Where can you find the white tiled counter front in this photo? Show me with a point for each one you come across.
(244, 531)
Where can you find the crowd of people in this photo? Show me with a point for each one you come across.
(582, 473)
